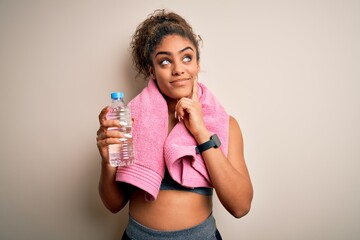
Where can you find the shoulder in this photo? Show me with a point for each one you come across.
(233, 123)
(234, 130)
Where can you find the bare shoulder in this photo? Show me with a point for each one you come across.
(234, 129)
(233, 122)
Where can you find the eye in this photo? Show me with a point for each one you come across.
(187, 59)
(164, 62)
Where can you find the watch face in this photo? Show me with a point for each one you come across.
(216, 140)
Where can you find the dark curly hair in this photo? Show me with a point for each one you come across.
(149, 34)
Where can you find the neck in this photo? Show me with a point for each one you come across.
(171, 103)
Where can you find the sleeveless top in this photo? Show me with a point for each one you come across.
(169, 184)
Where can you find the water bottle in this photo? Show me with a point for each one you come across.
(121, 154)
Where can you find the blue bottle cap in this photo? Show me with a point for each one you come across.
(117, 95)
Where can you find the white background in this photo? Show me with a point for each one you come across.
(288, 71)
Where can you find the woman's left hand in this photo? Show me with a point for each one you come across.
(189, 110)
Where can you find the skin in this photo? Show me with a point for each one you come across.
(175, 71)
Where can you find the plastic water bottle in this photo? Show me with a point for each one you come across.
(121, 154)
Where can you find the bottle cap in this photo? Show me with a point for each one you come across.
(117, 95)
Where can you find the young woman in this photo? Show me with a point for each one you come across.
(166, 51)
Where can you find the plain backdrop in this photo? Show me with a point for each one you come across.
(288, 71)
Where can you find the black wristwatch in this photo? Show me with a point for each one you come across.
(214, 142)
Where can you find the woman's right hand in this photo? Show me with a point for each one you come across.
(106, 137)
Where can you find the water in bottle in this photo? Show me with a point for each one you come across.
(121, 154)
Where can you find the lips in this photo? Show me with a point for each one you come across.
(180, 80)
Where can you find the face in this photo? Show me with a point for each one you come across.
(175, 66)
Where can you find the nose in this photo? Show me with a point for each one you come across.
(177, 68)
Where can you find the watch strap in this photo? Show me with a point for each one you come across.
(214, 142)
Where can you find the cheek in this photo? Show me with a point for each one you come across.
(162, 73)
(161, 86)
(194, 70)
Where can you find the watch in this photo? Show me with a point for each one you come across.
(214, 142)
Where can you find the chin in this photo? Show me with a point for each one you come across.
(181, 94)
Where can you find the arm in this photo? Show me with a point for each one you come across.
(229, 176)
(114, 195)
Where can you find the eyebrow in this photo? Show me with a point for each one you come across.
(169, 53)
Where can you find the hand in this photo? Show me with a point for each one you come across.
(189, 110)
(106, 137)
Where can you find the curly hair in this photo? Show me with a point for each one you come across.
(149, 34)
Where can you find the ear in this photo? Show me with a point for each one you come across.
(152, 72)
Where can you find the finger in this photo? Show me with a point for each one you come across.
(100, 131)
(108, 141)
(109, 137)
(183, 106)
(179, 112)
(110, 123)
(109, 134)
(102, 115)
(195, 96)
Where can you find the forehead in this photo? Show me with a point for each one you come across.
(174, 43)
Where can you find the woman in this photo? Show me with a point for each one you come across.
(166, 50)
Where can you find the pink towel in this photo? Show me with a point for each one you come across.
(155, 148)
